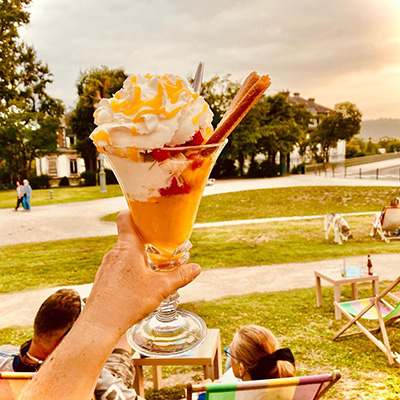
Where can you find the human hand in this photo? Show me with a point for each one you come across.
(126, 289)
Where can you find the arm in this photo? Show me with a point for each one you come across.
(125, 290)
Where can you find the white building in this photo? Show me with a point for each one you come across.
(336, 154)
(65, 162)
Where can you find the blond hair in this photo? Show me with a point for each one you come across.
(251, 344)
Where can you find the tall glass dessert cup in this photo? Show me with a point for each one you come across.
(163, 188)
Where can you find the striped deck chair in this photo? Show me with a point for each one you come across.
(298, 388)
(389, 223)
(12, 383)
(376, 309)
(395, 295)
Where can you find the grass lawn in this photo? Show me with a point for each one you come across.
(300, 325)
(288, 202)
(75, 261)
(41, 197)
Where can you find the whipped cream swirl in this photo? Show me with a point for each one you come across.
(152, 111)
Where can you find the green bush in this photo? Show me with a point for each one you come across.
(5, 179)
(64, 181)
(111, 179)
(263, 169)
(40, 182)
(298, 169)
(168, 393)
(89, 178)
(224, 168)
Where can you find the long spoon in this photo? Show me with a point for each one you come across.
(198, 77)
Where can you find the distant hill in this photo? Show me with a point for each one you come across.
(377, 128)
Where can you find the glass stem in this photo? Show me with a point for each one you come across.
(167, 310)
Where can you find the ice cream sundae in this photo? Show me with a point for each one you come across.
(156, 133)
(148, 130)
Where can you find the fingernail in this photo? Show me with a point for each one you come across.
(196, 269)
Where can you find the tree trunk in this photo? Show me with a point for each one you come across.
(241, 163)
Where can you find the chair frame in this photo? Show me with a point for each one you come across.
(326, 380)
(8, 377)
(393, 357)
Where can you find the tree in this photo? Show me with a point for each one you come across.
(356, 147)
(245, 138)
(341, 124)
(29, 117)
(93, 85)
(218, 92)
(24, 135)
(285, 126)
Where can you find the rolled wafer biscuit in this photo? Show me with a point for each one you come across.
(246, 86)
(246, 100)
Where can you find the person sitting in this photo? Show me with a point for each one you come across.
(255, 354)
(125, 291)
(377, 218)
(53, 321)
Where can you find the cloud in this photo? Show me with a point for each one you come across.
(303, 44)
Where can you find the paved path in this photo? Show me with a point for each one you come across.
(75, 220)
(20, 308)
(82, 219)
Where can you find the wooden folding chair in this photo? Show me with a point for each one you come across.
(298, 388)
(12, 383)
(376, 309)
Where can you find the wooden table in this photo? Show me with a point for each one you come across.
(208, 355)
(337, 280)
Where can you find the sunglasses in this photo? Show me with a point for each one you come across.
(226, 351)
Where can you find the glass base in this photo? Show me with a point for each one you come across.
(153, 337)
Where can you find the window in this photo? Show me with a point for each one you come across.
(73, 166)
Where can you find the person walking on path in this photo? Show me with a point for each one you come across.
(27, 195)
(20, 195)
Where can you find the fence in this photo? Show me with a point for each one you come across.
(342, 171)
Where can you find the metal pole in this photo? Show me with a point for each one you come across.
(377, 173)
(345, 172)
(102, 175)
(333, 171)
(359, 174)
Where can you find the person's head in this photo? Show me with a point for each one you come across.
(395, 202)
(26, 182)
(18, 183)
(55, 318)
(255, 355)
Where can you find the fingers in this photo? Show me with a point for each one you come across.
(126, 229)
(182, 276)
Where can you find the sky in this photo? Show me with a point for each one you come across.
(330, 50)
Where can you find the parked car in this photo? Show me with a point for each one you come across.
(210, 182)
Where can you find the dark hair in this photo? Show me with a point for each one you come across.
(59, 311)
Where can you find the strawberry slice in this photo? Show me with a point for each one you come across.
(160, 154)
(197, 160)
(174, 188)
(196, 140)
(197, 163)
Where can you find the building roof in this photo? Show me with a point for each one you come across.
(310, 104)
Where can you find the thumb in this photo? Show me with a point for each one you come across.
(126, 229)
(182, 276)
